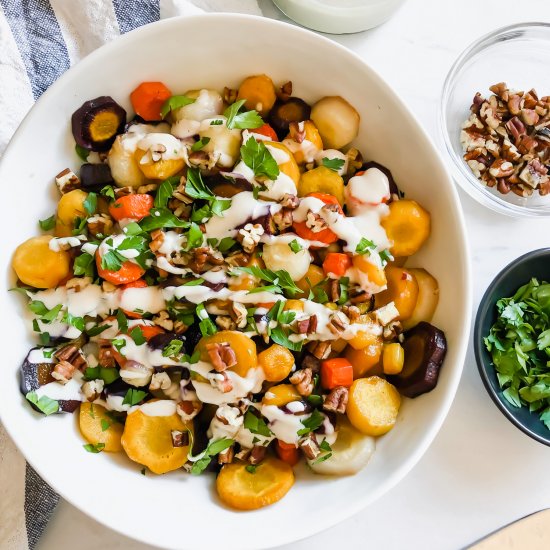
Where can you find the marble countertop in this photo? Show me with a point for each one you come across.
(481, 472)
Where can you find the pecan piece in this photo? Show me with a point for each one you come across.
(100, 224)
(310, 447)
(179, 438)
(63, 371)
(67, 181)
(311, 362)
(337, 400)
(187, 410)
(303, 380)
(226, 457)
(338, 322)
(257, 454)
(221, 355)
(501, 169)
(321, 350)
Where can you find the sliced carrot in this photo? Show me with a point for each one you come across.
(266, 130)
(140, 283)
(128, 272)
(336, 264)
(287, 452)
(150, 330)
(133, 207)
(147, 99)
(336, 372)
(326, 236)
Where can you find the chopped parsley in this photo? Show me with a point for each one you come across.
(198, 145)
(206, 325)
(76, 322)
(122, 321)
(326, 454)
(81, 152)
(201, 461)
(242, 120)
(295, 246)
(94, 448)
(385, 256)
(175, 102)
(44, 404)
(196, 189)
(519, 344)
(194, 237)
(258, 158)
(47, 224)
(256, 424)
(312, 423)
(251, 468)
(280, 279)
(90, 203)
(159, 218)
(333, 164)
(365, 246)
(136, 334)
(172, 349)
(84, 265)
(165, 190)
(105, 425)
(133, 397)
(42, 312)
(108, 191)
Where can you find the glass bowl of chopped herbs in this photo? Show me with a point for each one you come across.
(512, 343)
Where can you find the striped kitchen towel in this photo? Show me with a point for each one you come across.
(39, 40)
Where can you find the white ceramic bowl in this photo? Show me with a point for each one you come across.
(177, 510)
(339, 16)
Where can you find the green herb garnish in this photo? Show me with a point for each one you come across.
(258, 158)
(44, 403)
(175, 102)
(165, 190)
(256, 424)
(214, 448)
(242, 120)
(198, 145)
(365, 246)
(94, 448)
(47, 224)
(333, 164)
(312, 422)
(133, 397)
(295, 246)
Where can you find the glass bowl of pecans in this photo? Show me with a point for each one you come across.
(495, 120)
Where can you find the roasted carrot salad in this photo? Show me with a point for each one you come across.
(224, 289)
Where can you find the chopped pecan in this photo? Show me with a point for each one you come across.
(229, 95)
(257, 454)
(297, 131)
(501, 169)
(516, 128)
(221, 356)
(179, 438)
(249, 236)
(187, 410)
(285, 91)
(303, 380)
(283, 219)
(500, 89)
(321, 350)
(157, 239)
(72, 354)
(63, 371)
(100, 225)
(162, 319)
(67, 181)
(239, 314)
(106, 355)
(338, 322)
(315, 222)
(238, 259)
(334, 290)
(307, 325)
(123, 191)
(226, 457)
(290, 201)
(337, 400)
(160, 381)
(352, 312)
(310, 447)
(92, 389)
(205, 255)
(311, 362)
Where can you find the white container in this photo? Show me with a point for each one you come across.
(339, 16)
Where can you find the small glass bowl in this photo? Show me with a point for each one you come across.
(518, 55)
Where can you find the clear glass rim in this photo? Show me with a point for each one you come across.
(461, 172)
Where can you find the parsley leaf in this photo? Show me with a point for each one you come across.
(281, 336)
(112, 260)
(258, 158)
(165, 190)
(108, 191)
(198, 145)
(256, 424)
(214, 448)
(44, 404)
(84, 265)
(175, 102)
(97, 448)
(365, 246)
(82, 152)
(334, 164)
(133, 397)
(206, 325)
(312, 422)
(90, 203)
(105, 425)
(47, 224)
(242, 121)
(159, 218)
(226, 244)
(194, 237)
(295, 246)
(122, 321)
(136, 334)
(385, 256)
(195, 187)
(173, 348)
(279, 278)
(251, 468)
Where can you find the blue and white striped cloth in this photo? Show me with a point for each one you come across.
(39, 40)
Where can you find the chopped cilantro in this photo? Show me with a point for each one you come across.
(84, 265)
(136, 334)
(81, 152)
(173, 348)
(201, 462)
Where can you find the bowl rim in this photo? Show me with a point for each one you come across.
(344, 512)
(485, 309)
(461, 173)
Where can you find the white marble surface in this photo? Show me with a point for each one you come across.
(480, 472)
